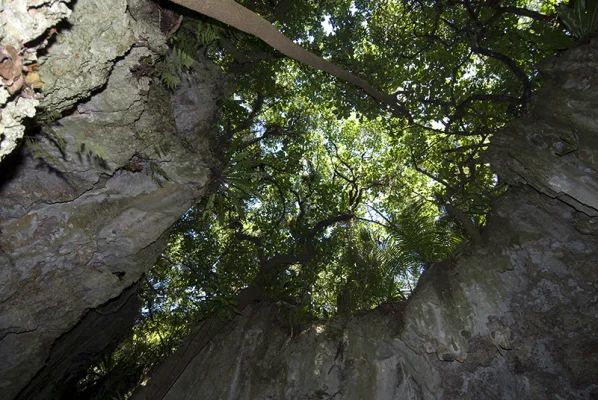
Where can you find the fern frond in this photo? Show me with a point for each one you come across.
(582, 19)
(415, 238)
(170, 80)
(158, 171)
(207, 33)
(99, 151)
(182, 61)
(40, 153)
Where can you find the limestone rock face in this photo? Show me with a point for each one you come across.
(72, 353)
(22, 22)
(555, 148)
(83, 56)
(85, 210)
(515, 318)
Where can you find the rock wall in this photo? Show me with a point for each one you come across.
(24, 29)
(85, 207)
(73, 352)
(515, 318)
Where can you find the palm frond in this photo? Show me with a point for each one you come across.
(415, 238)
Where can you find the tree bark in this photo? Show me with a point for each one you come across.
(243, 19)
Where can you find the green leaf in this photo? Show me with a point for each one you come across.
(170, 80)
(181, 60)
(207, 33)
(209, 207)
(549, 38)
(582, 19)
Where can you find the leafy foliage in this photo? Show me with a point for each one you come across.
(173, 67)
(192, 36)
(582, 19)
(415, 239)
(235, 180)
(580, 23)
(41, 153)
(324, 199)
(52, 159)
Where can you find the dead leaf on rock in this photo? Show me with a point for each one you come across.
(34, 80)
(11, 67)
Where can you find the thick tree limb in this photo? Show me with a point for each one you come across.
(510, 63)
(270, 131)
(517, 71)
(256, 107)
(242, 58)
(237, 16)
(465, 222)
(283, 201)
(257, 242)
(524, 12)
(320, 226)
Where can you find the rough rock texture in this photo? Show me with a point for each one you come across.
(83, 56)
(73, 352)
(84, 220)
(23, 26)
(515, 318)
(11, 124)
(24, 21)
(555, 148)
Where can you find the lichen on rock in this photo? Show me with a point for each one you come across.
(82, 58)
(11, 127)
(21, 23)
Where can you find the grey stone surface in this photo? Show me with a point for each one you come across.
(24, 21)
(82, 58)
(21, 23)
(555, 148)
(84, 221)
(73, 352)
(515, 320)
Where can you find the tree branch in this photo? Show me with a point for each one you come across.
(464, 221)
(371, 221)
(271, 131)
(309, 252)
(256, 107)
(256, 241)
(453, 211)
(465, 148)
(429, 175)
(237, 16)
(282, 201)
(517, 71)
(524, 12)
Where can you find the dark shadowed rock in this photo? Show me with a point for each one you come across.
(83, 222)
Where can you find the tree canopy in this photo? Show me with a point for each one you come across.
(333, 195)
